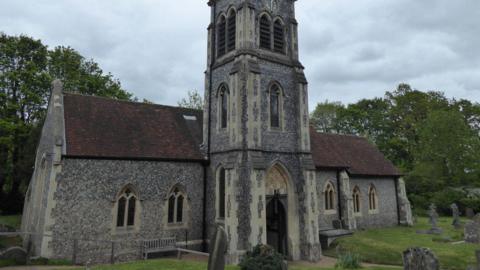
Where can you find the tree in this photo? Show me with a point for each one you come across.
(193, 101)
(325, 116)
(27, 68)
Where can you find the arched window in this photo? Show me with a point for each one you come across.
(356, 200)
(372, 199)
(221, 193)
(329, 197)
(231, 30)
(275, 106)
(126, 207)
(265, 32)
(176, 206)
(223, 97)
(278, 37)
(221, 36)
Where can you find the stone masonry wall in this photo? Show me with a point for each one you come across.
(86, 196)
(387, 202)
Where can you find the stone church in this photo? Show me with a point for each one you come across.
(109, 170)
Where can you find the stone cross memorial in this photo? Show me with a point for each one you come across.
(218, 249)
(420, 259)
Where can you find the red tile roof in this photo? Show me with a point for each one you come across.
(354, 153)
(108, 128)
(98, 127)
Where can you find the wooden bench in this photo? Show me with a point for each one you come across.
(158, 246)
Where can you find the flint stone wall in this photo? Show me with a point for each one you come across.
(85, 200)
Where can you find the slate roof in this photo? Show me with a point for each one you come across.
(107, 128)
(354, 153)
(98, 127)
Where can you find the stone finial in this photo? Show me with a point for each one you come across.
(420, 259)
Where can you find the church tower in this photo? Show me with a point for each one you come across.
(261, 183)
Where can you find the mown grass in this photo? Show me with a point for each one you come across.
(385, 246)
(11, 221)
(188, 265)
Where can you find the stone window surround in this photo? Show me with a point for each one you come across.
(185, 212)
(222, 90)
(231, 12)
(329, 189)
(357, 199)
(281, 101)
(373, 200)
(218, 218)
(137, 215)
(272, 20)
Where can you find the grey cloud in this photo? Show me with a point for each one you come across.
(351, 49)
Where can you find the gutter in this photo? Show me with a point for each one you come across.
(209, 122)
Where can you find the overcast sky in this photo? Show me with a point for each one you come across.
(351, 49)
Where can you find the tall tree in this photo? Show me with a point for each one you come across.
(324, 117)
(27, 68)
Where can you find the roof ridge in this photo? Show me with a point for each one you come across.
(130, 101)
(340, 135)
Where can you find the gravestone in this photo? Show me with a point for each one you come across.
(218, 248)
(432, 219)
(18, 254)
(472, 230)
(420, 259)
(469, 213)
(456, 216)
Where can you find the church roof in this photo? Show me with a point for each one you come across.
(354, 153)
(98, 127)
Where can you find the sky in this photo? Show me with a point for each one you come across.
(351, 49)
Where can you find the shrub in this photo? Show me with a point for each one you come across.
(348, 261)
(262, 257)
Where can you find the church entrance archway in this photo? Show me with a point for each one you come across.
(277, 223)
(281, 212)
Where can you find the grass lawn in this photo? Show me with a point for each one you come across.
(11, 221)
(385, 246)
(186, 265)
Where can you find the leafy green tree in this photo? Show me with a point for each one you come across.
(193, 101)
(324, 117)
(27, 68)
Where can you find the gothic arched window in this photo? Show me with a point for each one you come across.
(221, 36)
(221, 193)
(265, 32)
(223, 104)
(275, 94)
(126, 208)
(356, 200)
(278, 37)
(231, 30)
(329, 195)
(176, 206)
(372, 199)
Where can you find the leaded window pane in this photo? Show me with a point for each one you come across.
(221, 194)
(121, 212)
(171, 209)
(224, 113)
(274, 107)
(131, 211)
(180, 209)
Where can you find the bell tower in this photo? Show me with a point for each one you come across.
(261, 180)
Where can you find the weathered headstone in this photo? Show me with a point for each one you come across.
(472, 230)
(456, 216)
(469, 213)
(18, 254)
(218, 248)
(420, 259)
(432, 219)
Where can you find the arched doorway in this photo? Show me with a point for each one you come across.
(281, 212)
(277, 223)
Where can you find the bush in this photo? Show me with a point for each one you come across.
(262, 257)
(348, 261)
